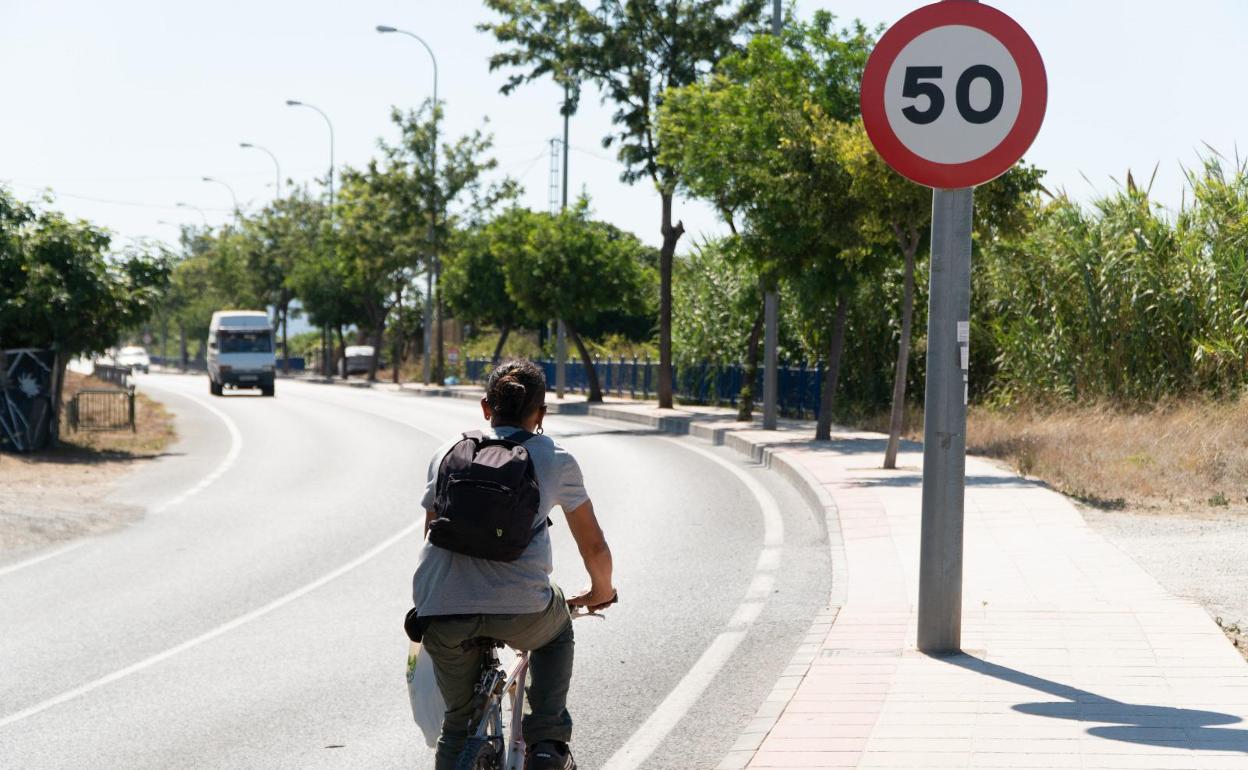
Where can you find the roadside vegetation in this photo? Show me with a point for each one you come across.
(1109, 341)
(154, 430)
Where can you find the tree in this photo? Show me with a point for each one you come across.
(571, 267)
(894, 211)
(63, 289)
(281, 234)
(741, 140)
(460, 193)
(754, 139)
(634, 50)
(475, 284)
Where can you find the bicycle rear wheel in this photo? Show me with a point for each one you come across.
(480, 754)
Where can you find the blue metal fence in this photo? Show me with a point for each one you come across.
(706, 383)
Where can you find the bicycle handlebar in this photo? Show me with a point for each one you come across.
(581, 610)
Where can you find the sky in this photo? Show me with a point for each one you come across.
(121, 108)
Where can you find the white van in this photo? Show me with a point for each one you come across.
(240, 351)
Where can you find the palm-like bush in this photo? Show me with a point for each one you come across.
(1120, 301)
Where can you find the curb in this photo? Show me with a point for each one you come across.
(827, 517)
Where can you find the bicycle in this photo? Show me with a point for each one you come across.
(487, 747)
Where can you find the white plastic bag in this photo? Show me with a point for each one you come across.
(428, 708)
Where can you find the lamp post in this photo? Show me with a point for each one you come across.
(327, 343)
(433, 248)
(228, 187)
(197, 208)
(296, 103)
(277, 166)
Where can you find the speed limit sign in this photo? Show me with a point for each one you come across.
(954, 94)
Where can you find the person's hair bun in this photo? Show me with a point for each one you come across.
(514, 391)
(510, 394)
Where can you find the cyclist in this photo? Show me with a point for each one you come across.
(459, 598)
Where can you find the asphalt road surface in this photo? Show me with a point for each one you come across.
(253, 618)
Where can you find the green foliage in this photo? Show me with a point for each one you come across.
(717, 301)
(571, 267)
(61, 287)
(1118, 301)
(473, 282)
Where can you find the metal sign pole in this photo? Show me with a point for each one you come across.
(771, 307)
(944, 424)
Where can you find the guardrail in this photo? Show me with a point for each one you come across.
(102, 409)
(118, 375)
(799, 387)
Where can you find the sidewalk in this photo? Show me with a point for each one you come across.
(1074, 656)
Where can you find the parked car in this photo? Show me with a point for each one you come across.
(240, 351)
(134, 357)
(357, 359)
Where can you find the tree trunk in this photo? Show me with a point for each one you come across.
(379, 335)
(502, 340)
(745, 410)
(164, 344)
(285, 347)
(595, 390)
(182, 347)
(903, 360)
(671, 235)
(439, 370)
(827, 399)
(341, 357)
(397, 331)
(59, 363)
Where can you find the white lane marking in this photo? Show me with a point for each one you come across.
(214, 633)
(236, 448)
(641, 744)
(44, 557)
(236, 622)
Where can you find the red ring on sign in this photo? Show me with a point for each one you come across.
(995, 162)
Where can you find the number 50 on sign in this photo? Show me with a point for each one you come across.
(954, 94)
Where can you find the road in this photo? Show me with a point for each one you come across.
(253, 617)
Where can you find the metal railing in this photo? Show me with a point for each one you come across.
(101, 409)
(118, 375)
(800, 387)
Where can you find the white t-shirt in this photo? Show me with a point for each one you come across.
(448, 583)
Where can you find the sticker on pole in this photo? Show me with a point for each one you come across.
(954, 94)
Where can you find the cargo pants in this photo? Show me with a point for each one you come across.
(457, 668)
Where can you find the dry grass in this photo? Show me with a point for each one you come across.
(1188, 454)
(153, 423)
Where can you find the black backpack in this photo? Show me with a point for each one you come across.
(487, 498)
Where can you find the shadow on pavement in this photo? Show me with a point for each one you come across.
(1128, 722)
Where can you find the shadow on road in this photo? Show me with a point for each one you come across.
(1118, 721)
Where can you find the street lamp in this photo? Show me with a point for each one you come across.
(276, 165)
(433, 175)
(197, 208)
(296, 103)
(228, 187)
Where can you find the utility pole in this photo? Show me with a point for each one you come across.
(771, 310)
(561, 329)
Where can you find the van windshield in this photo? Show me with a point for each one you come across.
(245, 342)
